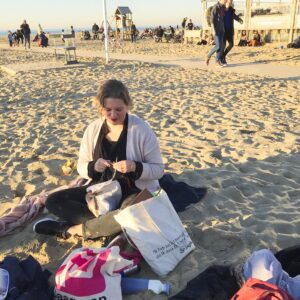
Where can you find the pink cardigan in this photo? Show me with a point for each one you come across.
(142, 146)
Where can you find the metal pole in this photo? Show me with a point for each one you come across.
(105, 32)
(247, 14)
(294, 7)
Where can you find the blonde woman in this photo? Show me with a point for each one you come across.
(117, 141)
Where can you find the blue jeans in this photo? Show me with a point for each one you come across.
(219, 40)
(263, 265)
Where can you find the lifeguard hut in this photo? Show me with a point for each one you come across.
(123, 17)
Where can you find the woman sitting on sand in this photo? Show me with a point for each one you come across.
(243, 40)
(256, 40)
(116, 142)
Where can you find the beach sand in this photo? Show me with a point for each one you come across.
(238, 135)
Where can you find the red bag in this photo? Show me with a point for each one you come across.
(256, 289)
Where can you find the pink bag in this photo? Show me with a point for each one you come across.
(90, 273)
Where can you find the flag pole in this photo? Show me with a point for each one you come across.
(105, 32)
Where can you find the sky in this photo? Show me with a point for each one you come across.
(59, 14)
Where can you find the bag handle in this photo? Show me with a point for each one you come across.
(276, 294)
(155, 225)
(130, 242)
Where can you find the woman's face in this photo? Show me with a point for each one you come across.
(114, 111)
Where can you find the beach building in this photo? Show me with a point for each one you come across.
(123, 18)
(276, 20)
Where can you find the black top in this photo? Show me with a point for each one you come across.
(114, 151)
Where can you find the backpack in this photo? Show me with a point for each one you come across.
(256, 289)
(208, 15)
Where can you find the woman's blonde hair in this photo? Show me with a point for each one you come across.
(112, 89)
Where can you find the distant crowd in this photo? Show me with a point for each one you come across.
(222, 9)
(22, 36)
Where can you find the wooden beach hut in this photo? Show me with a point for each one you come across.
(123, 18)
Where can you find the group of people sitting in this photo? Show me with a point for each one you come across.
(167, 34)
(255, 41)
(41, 39)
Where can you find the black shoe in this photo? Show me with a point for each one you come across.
(224, 62)
(219, 64)
(49, 226)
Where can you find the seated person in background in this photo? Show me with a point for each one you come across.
(256, 40)
(243, 40)
(295, 43)
(203, 41)
(87, 35)
(117, 145)
(42, 40)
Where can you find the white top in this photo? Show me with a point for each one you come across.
(142, 146)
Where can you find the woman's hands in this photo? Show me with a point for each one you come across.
(124, 166)
(101, 164)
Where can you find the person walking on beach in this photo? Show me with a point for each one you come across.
(133, 33)
(229, 18)
(217, 25)
(26, 33)
(10, 38)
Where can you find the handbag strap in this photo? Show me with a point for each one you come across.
(276, 294)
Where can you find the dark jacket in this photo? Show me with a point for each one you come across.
(217, 18)
(27, 280)
(25, 29)
(229, 18)
(95, 28)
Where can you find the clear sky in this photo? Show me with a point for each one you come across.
(83, 13)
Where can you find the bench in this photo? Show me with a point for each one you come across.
(66, 43)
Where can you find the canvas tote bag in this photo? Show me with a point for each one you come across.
(91, 273)
(155, 228)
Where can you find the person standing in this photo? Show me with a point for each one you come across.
(217, 24)
(72, 30)
(10, 38)
(133, 33)
(229, 18)
(26, 33)
(183, 23)
(95, 30)
(190, 25)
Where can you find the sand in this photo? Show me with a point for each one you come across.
(238, 135)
